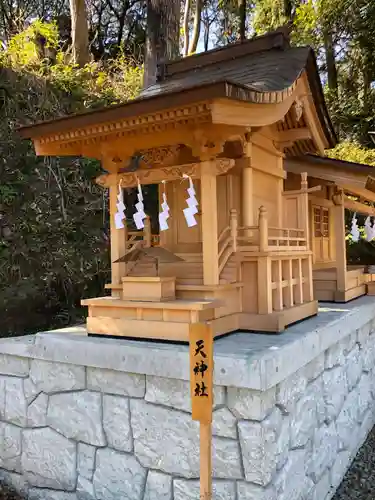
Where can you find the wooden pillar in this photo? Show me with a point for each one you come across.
(304, 208)
(209, 223)
(147, 237)
(263, 230)
(264, 285)
(338, 212)
(118, 236)
(247, 196)
(280, 191)
(264, 267)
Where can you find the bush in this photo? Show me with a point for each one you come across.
(53, 218)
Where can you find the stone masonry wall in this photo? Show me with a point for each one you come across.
(71, 432)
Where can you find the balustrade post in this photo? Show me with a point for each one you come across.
(147, 232)
(263, 230)
(234, 228)
(304, 183)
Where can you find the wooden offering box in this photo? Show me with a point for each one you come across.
(149, 288)
(221, 122)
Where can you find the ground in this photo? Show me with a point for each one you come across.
(359, 481)
(5, 494)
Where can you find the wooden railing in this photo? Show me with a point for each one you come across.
(138, 240)
(227, 241)
(263, 238)
(291, 283)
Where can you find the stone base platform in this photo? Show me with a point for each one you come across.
(106, 419)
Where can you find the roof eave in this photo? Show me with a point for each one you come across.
(318, 96)
(154, 104)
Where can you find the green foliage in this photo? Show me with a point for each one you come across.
(97, 84)
(354, 152)
(53, 218)
(268, 15)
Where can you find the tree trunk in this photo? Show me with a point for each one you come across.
(242, 14)
(163, 36)
(186, 27)
(330, 61)
(288, 9)
(80, 34)
(197, 27)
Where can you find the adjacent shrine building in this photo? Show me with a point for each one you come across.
(225, 120)
(335, 186)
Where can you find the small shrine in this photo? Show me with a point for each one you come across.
(335, 185)
(233, 246)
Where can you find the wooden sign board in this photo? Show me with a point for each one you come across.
(201, 349)
(201, 371)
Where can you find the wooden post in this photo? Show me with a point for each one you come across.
(201, 387)
(234, 228)
(209, 223)
(264, 267)
(147, 237)
(118, 240)
(338, 212)
(263, 230)
(247, 198)
(304, 208)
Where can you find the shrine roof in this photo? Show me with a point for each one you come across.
(334, 163)
(261, 70)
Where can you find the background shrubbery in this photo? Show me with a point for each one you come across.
(53, 218)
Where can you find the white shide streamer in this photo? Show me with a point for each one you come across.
(164, 214)
(355, 229)
(369, 229)
(192, 202)
(120, 214)
(139, 216)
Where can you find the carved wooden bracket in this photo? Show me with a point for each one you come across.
(208, 143)
(286, 138)
(338, 197)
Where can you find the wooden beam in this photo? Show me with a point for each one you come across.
(292, 135)
(327, 173)
(157, 175)
(309, 190)
(356, 206)
(357, 191)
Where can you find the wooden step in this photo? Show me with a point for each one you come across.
(195, 305)
(163, 320)
(179, 310)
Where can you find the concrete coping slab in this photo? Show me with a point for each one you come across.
(255, 361)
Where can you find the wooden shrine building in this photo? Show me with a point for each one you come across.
(226, 119)
(334, 185)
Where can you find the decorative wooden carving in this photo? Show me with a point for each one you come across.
(141, 125)
(298, 109)
(165, 155)
(155, 176)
